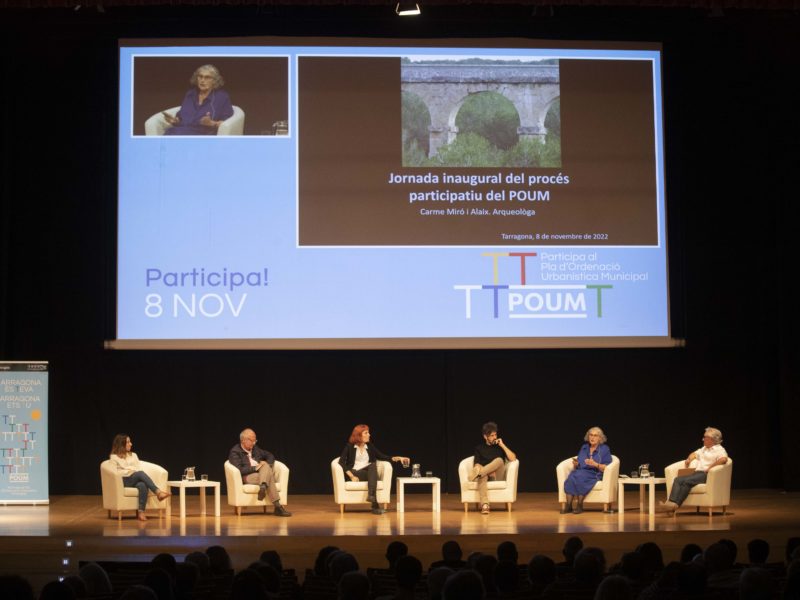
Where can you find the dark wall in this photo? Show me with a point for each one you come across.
(732, 155)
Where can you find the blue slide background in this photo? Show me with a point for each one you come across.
(231, 203)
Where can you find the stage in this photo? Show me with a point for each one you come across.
(33, 539)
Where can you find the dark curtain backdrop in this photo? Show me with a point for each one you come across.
(731, 117)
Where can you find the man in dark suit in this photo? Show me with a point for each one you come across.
(256, 466)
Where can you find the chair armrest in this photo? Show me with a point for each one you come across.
(671, 472)
(387, 472)
(719, 481)
(281, 472)
(233, 125)
(337, 474)
(611, 478)
(563, 469)
(512, 475)
(156, 472)
(464, 467)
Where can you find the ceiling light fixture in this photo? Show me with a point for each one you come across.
(407, 9)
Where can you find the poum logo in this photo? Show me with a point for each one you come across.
(524, 301)
(19, 477)
(37, 367)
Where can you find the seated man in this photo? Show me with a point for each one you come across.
(255, 465)
(710, 455)
(490, 462)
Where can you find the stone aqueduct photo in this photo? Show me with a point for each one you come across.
(480, 112)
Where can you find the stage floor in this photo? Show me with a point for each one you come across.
(33, 539)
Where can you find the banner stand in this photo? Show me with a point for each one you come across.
(24, 473)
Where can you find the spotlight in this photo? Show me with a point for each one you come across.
(407, 9)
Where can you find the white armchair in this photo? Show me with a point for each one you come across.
(157, 124)
(117, 497)
(716, 491)
(355, 492)
(499, 490)
(604, 491)
(241, 495)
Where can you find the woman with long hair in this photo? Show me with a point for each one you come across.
(128, 467)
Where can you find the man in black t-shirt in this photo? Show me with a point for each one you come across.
(489, 462)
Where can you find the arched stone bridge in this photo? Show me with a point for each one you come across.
(444, 88)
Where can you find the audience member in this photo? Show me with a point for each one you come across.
(631, 567)
(248, 585)
(321, 563)
(588, 570)
(435, 581)
(614, 587)
(451, 556)
(598, 554)
(77, 584)
(734, 550)
(14, 587)
(484, 565)
(507, 551)
(268, 574)
(219, 562)
(757, 551)
(665, 585)
(791, 589)
(756, 584)
(96, 579)
(56, 590)
(165, 561)
(465, 584)
(720, 573)
(273, 559)
(791, 545)
(541, 573)
(158, 580)
(689, 552)
(342, 563)
(200, 560)
(394, 551)
(571, 548)
(506, 577)
(138, 592)
(691, 579)
(187, 574)
(652, 559)
(353, 586)
(408, 572)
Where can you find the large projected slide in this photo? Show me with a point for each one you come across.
(330, 194)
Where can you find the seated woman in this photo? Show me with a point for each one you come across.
(358, 461)
(204, 108)
(127, 464)
(593, 458)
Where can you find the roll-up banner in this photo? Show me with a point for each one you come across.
(23, 433)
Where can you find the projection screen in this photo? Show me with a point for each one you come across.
(313, 193)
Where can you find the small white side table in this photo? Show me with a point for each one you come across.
(642, 482)
(436, 492)
(202, 485)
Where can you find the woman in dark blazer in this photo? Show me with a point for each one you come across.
(359, 462)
